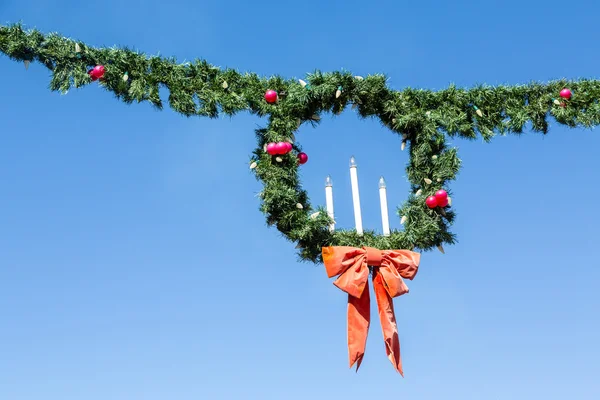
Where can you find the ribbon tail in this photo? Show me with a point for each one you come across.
(359, 317)
(387, 317)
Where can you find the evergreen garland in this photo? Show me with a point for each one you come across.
(423, 119)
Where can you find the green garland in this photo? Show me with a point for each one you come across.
(423, 118)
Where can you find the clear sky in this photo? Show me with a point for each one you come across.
(134, 263)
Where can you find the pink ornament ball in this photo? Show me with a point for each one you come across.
(272, 148)
(441, 198)
(302, 158)
(431, 202)
(566, 93)
(97, 72)
(288, 147)
(271, 96)
(280, 148)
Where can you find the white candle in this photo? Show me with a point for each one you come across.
(329, 200)
(355, 196)
(385, 219)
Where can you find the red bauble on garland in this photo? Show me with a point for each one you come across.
(97, 72)
(566, 93)
(441, 197)
(302, 158)
(431, 202)
(280, 148)
(272, 148)
(271, 96)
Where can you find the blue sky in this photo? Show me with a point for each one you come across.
(135, 263)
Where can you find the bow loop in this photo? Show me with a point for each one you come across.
(395, 265)
(348, 263)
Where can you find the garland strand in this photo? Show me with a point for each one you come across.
(422, 118)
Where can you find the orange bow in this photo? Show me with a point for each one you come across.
(389, 267)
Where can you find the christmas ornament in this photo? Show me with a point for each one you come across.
(125, 77)
(26, 63)
(419, 192)
(403, 220)
(97, 72)
(253, 165)
(299, 206)
(271, 96)
(556, 101)
(478, 111)
(272, 149)
(224, 85)
(338, 92)
(279, 159)
(441, 198)
(302, 83)
(431, 202)
(281, 148)
(441, 249)
(428, 181)
(566, 93)
(302, 158)
(77, 48)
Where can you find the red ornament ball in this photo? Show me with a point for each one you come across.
(302, 158)
(280, 148)
(441, 198)
(272, 148)
(288, 147)
(271, 96)
(431, 202)
(566, 93)
(97, 72)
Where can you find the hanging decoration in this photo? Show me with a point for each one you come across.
(424, 119)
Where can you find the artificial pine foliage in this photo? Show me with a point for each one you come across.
(423, 118)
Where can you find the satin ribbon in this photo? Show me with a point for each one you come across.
(351, 266)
